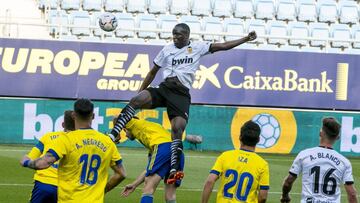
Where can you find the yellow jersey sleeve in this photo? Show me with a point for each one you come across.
(35, 151)
(115, 157)
(217, 169)
(264, 181)
(59, 147)
(38, 149)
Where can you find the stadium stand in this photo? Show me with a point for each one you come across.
(285, 24)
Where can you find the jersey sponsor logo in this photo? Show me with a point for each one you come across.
(180, 61)
(278, 129)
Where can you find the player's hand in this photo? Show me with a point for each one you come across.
(285, 199)
(128, 190)
(25, 158)
(252, 36)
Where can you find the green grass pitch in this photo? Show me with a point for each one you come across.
(16, 182)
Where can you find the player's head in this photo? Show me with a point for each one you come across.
(69, 123)
(181, 33)
(330, 129)
(129, 135)
(83, 110)
(250, 134)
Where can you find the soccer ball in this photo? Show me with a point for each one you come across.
(270, 130)
(108, 22)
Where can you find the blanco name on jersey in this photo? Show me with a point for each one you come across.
(323, 172)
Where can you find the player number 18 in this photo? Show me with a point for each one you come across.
(244, 178)
(89, 171)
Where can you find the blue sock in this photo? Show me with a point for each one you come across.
(146, 198)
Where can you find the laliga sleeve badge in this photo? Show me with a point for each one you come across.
(189, 49)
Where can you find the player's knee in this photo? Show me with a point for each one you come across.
(170, 198)
(177, 132)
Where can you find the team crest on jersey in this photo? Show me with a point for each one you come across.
(189, 49)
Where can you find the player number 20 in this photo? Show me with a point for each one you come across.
(244, 178)
(89, 171)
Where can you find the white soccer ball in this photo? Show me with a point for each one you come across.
(108, 22)
(270, 130)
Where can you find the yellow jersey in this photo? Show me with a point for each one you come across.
(85, 157)
(242, 174)
(148, 133)
(49, 175)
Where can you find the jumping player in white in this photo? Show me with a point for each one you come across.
(323, 170)
(179, 61)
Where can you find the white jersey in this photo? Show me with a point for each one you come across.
(182, 62)
(323, 171)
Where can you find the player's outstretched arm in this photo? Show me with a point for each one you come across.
(208, 187)
(118, 176)
(262, 196)
(351, 193)
(40, 163)
(131, 187)
(286, 188)
(149, 77)
(231, 44)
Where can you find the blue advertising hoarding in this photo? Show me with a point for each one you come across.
(62, 69)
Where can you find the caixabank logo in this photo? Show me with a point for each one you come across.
(278, 129)
(289, 81)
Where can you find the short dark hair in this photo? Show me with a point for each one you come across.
(183, 26)
(69, 123)
(250, 133)
(331, 127)
(84, 108)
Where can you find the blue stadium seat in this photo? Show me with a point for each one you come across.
(51, 4)
(126, 24)
(306, 10)
(114, 5)
(244, 9)
(319, 31)
(327, 10)
(264, 9)
(340, 32)
(201, 7)
(70, 4)
(82, 19)
(137, 6)
(277, 29)
(167, 23)
(235, 27)
(58, 21)
(147, 21)
(179, 7)
(286, 10)
(158, 6)
(194, 24)
(92, 5)
(260, 27)
(356, 36)
(223, 8)
(349, 12)
(298, 30)
(214, 26)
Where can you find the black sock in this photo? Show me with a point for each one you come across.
(176, 150)
(125, 116)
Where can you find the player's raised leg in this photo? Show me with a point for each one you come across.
(170, 193)
(178, 125)
(142, 100)
(151, 182)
